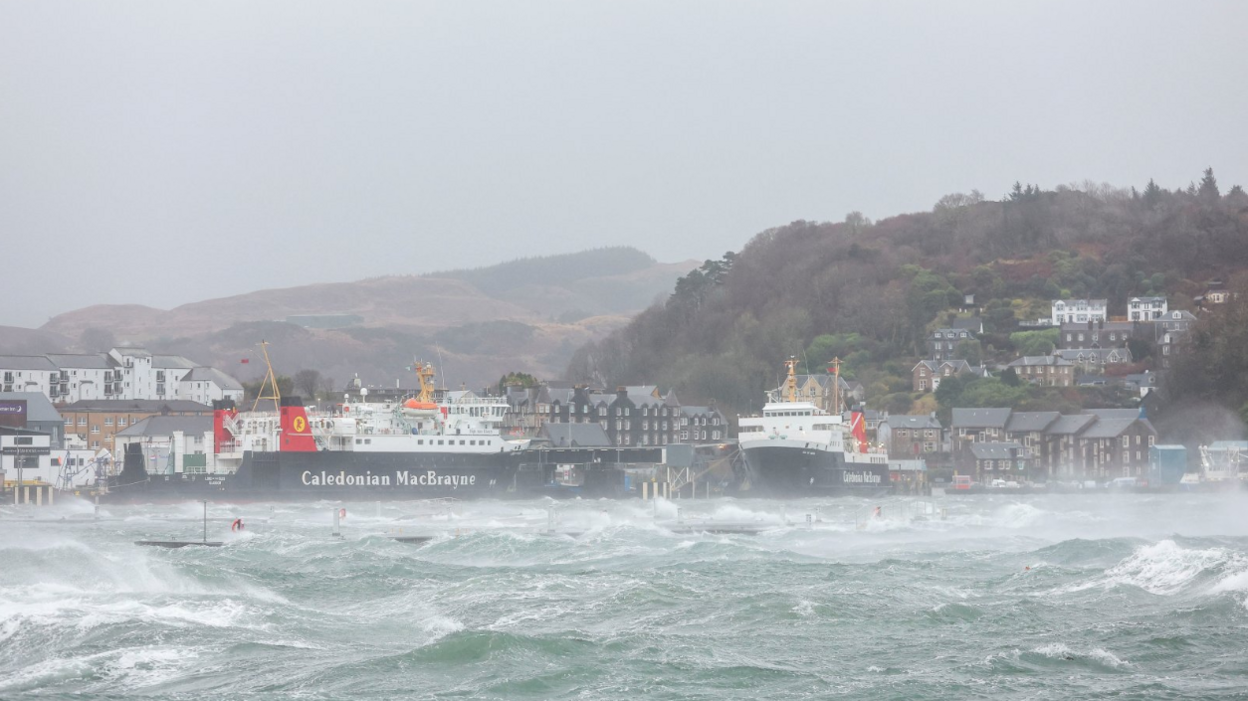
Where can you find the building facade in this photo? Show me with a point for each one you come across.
(97, 422)
(1079, 311)
(1146, 308)
(1044, 370)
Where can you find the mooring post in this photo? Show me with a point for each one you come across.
(337, 533)
(97, 506)
(205, 520)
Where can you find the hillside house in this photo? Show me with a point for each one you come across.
(1079, 311)
(1105, 334)
(942, 344)
(1045, 370)
(927, 374)
(999, 461)
(1094, 360)
(1146, 308)
(909, 436)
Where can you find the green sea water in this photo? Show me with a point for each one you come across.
(1060, 597)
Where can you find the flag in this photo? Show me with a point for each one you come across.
(244, 361)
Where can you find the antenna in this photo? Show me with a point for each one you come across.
(441, 366)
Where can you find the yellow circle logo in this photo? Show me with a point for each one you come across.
(301, 424)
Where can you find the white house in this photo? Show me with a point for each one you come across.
(1072, 311)
(206, 385)
(26, 373)
(1146, 308)
(122, 373)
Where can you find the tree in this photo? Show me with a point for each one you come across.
(1009, 376)
(1208, 190)
(970, 351)
(1152, 193)
(1035, 342)
(308, 383)
(515, 379)
(251, 390)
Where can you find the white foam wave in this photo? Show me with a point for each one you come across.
(1064, 652)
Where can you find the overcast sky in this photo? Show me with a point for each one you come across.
(165, 152)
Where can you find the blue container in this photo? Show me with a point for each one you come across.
(1166, 464)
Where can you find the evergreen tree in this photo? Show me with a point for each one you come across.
(1152, 193)
(1209, 187)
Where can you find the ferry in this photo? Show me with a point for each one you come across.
(415, 448)
(797, 449)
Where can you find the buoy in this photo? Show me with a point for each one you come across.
(1027, 568)
(237, 525)
(342, 513)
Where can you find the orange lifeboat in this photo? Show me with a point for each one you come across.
(414, 407)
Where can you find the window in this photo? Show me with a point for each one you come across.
(108, 421)
(1126, 441)
(82, 421)
(95, 428)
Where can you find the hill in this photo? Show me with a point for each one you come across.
(529, 314)
(868, 292)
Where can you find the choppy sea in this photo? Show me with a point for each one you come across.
(986, 597)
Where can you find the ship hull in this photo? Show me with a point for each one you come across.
(344, 476)
(387, 476)
(805, 470)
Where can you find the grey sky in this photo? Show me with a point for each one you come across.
(164, 152)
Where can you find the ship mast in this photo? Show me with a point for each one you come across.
(425, 373)
(790, 385)
(269, 381)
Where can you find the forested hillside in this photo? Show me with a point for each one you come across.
(868, 292)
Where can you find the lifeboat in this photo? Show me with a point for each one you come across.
(413, 407)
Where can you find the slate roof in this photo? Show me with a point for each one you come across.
(27, 362)
(1102, 354)
(1114, 413)
(912, 421)
(38, 408)
(980, 418)
(995, 451)
(82, 361)
(171, 362)
(1070, 425)
(1108, 428)
(1036, 360)
(222, 380)
(565, 435)
(1031, 420)
(162, 426)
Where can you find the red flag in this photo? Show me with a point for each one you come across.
(244, 361)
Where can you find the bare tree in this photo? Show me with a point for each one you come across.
(307, 382)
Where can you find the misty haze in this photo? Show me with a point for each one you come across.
(647, 350)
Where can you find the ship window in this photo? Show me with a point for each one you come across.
(358, 441)
(368, 441)
(420, 442)
(461, 442)
(439, 441)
